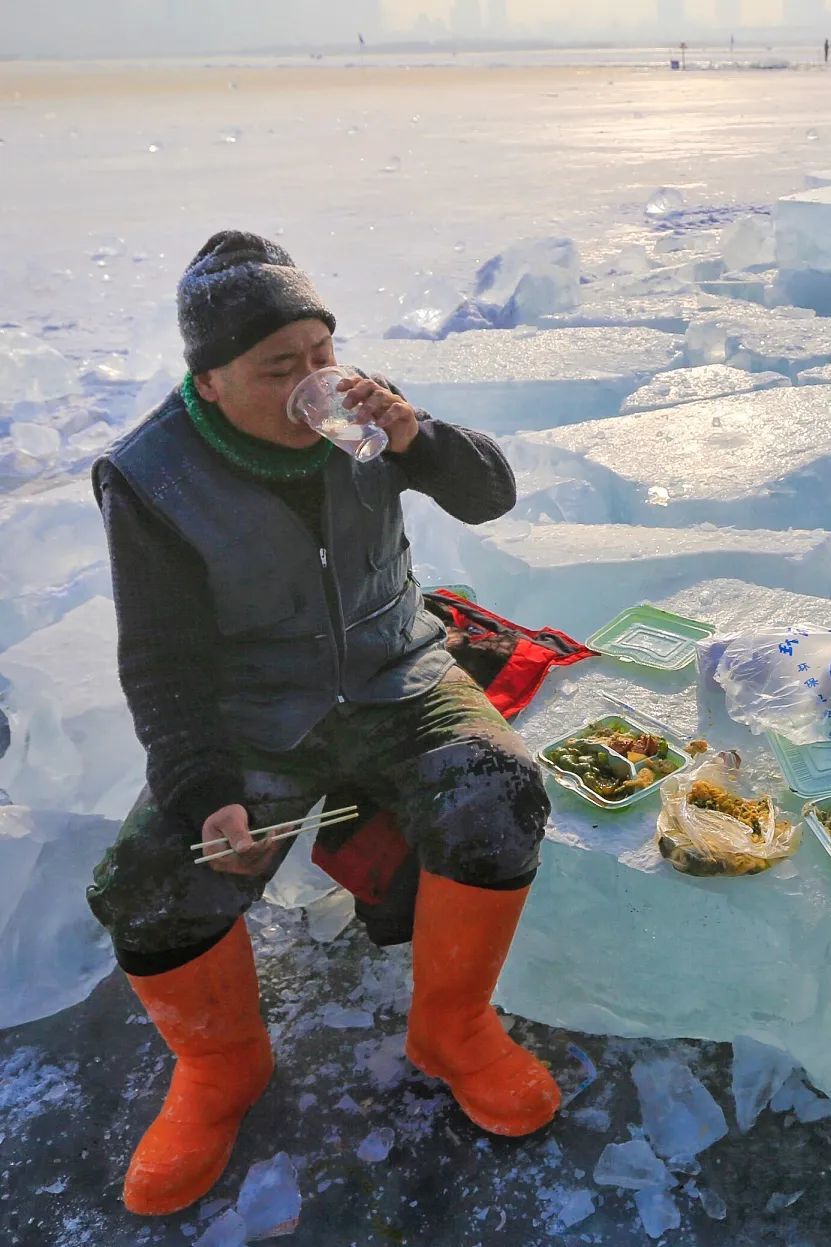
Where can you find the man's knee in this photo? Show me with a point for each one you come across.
(149, 894)
(480, 810)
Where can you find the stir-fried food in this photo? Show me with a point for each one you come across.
(708, 796)
(824, 817)
(596, 756)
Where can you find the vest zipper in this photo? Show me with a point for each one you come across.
(381, 609)
(330, 592)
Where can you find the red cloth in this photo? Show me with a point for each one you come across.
(509, 661)
(366, 862)
(370, 857)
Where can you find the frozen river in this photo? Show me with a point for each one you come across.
(372, 176)
(662, 403)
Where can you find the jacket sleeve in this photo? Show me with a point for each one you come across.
(464, 471)
(167, 641)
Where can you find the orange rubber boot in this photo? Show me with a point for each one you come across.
(208, 1013)
(461, 939)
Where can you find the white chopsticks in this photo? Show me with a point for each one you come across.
(312, 822)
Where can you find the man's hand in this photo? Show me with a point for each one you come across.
(251, 857)
(389, 411)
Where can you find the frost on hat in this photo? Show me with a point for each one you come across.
(238, 289)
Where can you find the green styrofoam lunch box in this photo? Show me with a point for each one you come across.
(806, 768)
(567, 779)
(652, 637)
(822, 833)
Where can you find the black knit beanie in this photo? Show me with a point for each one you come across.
(236, 291)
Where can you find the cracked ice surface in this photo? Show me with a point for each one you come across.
(757, 338)
(607, 920)
(815, 376)
(691, 385)
(759, 459)
(578, 576)
(714, 337)
(671, 313)
(802, 230)
(788, 348)
(585, 541)
(680, 1116)
(501, 380)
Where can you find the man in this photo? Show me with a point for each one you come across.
(274, 646)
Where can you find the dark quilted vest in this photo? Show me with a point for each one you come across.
(301, 627)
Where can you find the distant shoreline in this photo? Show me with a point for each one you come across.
(66, 78)
(63, 80)
(586, 56)
(717, 51)
(745, 41)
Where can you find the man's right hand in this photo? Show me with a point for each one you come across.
(251, 857)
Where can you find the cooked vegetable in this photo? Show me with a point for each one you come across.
(601, 771)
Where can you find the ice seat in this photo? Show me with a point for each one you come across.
(501, 380)
(615, 941)
(72, 741)
(53, 557)
(54, 952)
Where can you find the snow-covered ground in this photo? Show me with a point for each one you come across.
(663, 403)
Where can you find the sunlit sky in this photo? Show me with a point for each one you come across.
(590, 13)
(97, 27)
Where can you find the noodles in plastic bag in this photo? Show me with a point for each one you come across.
(708, 826)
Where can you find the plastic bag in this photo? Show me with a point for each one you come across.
(776, 681)
(709, 842)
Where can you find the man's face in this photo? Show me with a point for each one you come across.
(253, 389)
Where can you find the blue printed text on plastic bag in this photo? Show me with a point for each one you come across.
(780, 681)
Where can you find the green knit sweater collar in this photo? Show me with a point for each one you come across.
(264, 460)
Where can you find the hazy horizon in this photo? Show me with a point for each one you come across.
(177, 27)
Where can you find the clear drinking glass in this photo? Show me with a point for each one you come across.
(317, 402)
